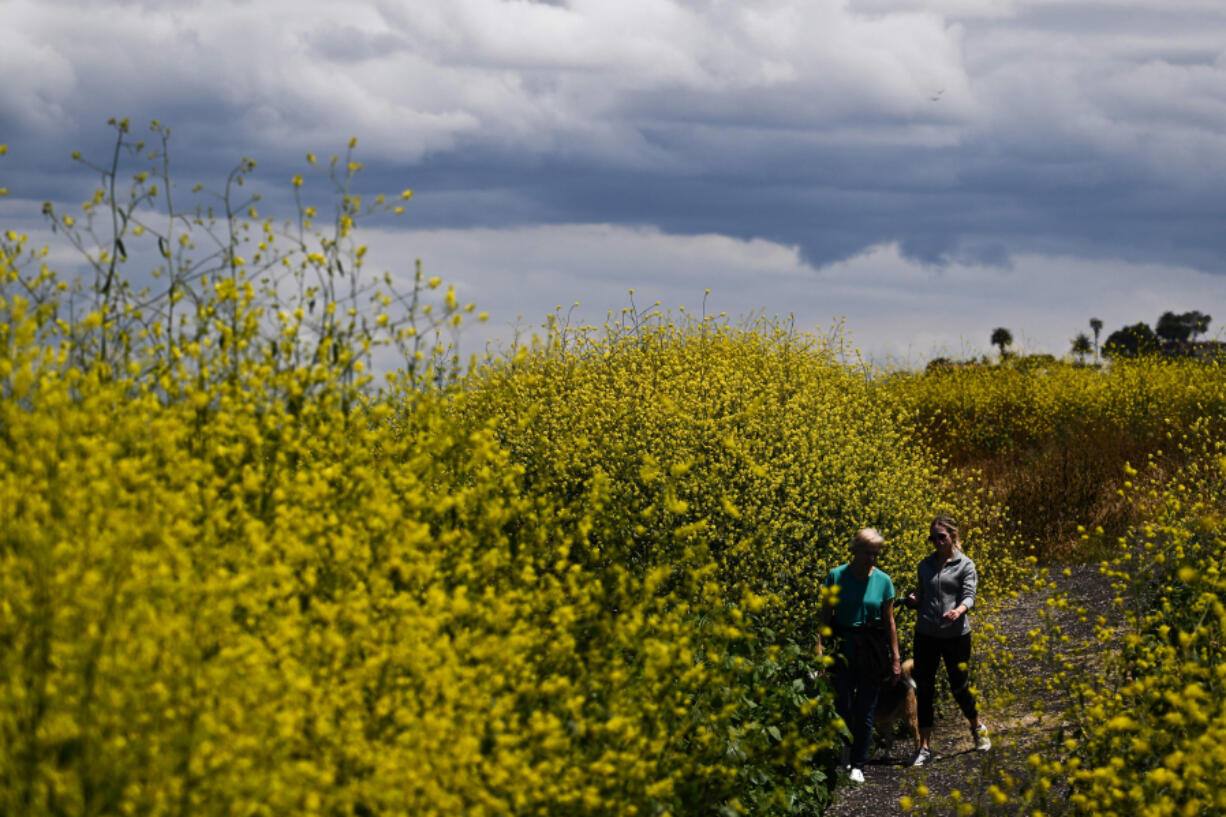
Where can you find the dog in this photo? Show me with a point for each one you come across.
(895, 705)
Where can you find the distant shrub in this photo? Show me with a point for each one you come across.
(1131, 341)
(1036, 362)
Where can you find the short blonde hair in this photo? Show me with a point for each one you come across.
(867, 536)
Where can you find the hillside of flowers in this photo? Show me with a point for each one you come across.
(1125, 468)
(241, 575)
(1053, 441)
(1147, 725)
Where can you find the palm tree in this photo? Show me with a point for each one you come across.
(1002, 337)
(1096, 324)
(1082, 347)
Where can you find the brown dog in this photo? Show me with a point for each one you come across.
(895, 704)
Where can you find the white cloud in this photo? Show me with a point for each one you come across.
(895, 308)
(528, 76)
(528, 272)
(587, 79)
(39, 83)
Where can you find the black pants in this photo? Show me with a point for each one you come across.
(956, 652)
(856, 700)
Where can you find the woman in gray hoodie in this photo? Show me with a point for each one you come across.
(944, 593)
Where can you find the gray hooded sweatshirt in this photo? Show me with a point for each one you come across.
(942, 588)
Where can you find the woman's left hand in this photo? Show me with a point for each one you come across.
(897, 672)
(954, 614)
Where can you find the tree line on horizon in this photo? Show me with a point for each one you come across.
(1174, 334)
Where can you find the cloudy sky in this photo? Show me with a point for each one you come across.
(927, 169)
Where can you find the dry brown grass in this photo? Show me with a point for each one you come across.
(1052, 446)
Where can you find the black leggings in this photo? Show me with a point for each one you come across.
(957, 654)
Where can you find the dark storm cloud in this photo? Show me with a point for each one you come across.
(962, 202)
(1090, 129)
(960, 132)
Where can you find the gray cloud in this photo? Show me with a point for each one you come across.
(960, 131)
(352, 45)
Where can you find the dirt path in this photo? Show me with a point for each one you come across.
(1017, 730)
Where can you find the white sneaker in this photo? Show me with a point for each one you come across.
(982, 741)
(922, 757)
(857, 776)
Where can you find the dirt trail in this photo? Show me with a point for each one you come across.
(1016, 731)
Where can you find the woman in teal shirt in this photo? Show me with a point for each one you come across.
(865, 605)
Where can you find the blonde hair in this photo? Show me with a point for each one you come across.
(867, 536)
(947, 524)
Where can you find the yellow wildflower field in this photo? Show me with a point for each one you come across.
(238, 576)
(241, 575)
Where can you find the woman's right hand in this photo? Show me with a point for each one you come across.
(911, 600)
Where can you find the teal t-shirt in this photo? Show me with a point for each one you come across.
(859, 601)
